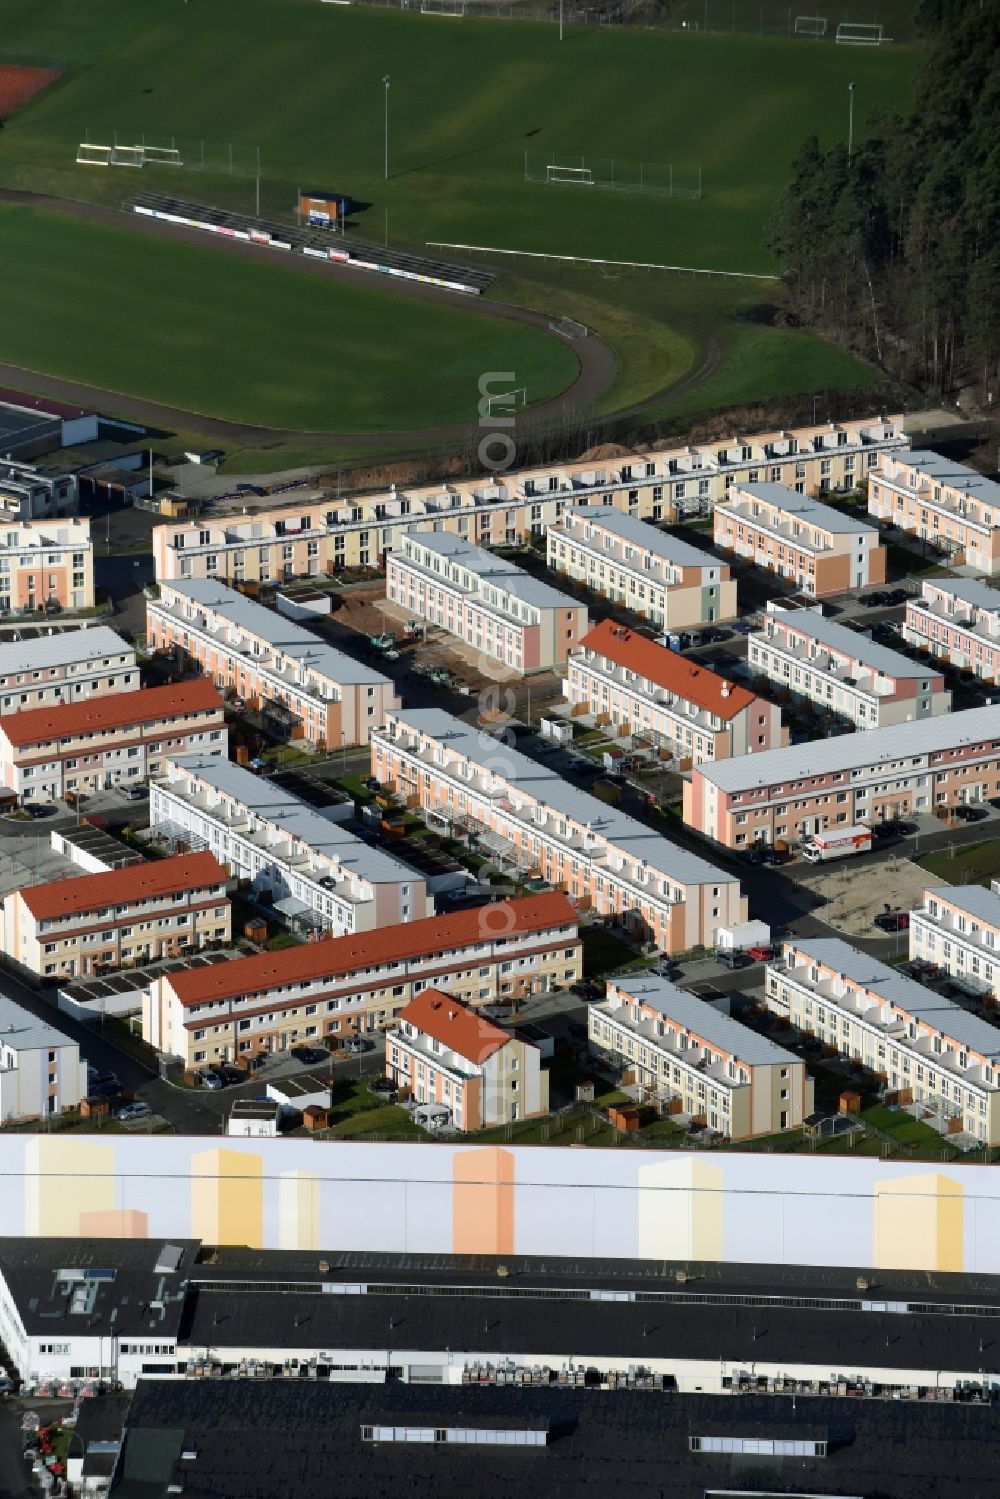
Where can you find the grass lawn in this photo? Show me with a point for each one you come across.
(974, 864)
(261, 343)
(468, 98)
(912, 1134)
(605, 953)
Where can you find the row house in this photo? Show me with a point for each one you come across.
(820, 549)
(843, 670)
(957, 620)
(646, 570)
(107, 741)
(46, 565)
(484, 601)
(92, 923)
(65, 668)
(452, 1059)
(866, 777)
(526, 816)
(942, 502)
(308, 690)
(314, 871)
(328, 991)
(697, 1063)
(637, 686)
(925, 1048)
(41, 1070)
(957, 928)
(29, 492)
(312, 535)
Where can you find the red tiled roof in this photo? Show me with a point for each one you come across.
(336, 957)
(91, 892)
(446, 1019)
(657, 663)
(114, 712)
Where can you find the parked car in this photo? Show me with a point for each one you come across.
(873, 600)
(97, 1079)
(715, 635)
(893, 921)
(761, 952)
(742, 627)
(731, 957)
(898, 596)
(133, 1111)
(104, 1090)
(38, 809)
(372, 783)
(967, 813)
(134, 793)
(208, 1079)
(358, 1044)
(310, 1055)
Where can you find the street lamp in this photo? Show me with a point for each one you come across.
(386, 80)
(850, 122)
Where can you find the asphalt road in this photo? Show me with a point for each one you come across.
(16, 1479)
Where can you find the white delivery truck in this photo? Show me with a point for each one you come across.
(837, 843)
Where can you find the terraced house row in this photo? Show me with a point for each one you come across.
(925, 1047)
(659, 576)
(696, 1063)
(314, 534)
(637, 686)
(331, 990)
(867, 777)
(306, 689)
(97, 922)
(65, 668)
(317, 874)
(46, 564)
(818, 548)
(957, 620)
(942, 502)
(484, 601)
(957, 928)
(107, 741)
(528, 817)
(820, 661)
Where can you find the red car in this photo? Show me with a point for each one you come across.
(760, 952)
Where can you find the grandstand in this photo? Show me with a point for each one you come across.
(315, 243)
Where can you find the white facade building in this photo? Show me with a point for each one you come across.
(65, 668)
(41, 1073)
(327, 877)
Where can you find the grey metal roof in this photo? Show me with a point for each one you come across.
(694, 1014)
(970, 590)
(62, 648)
(22, 1032)
(956, 475)
(642, 533)
(980, 903)
(496, 570)
(284, 637)
(837, 637)
(895, 988)
(869, 747)
(805, 508)
(550, 790)
(296, 819)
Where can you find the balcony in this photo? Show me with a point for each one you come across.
(980, 624)
(783, 531)
(644, 1033)
(838, 669)
(946, 924)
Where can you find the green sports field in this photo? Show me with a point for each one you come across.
(303, 81)
(185, 325)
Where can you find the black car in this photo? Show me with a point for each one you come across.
(893, 921)
(873, 600)
(965, 813)
(731, 957)
(36, 809)
(898, 596)
(310, 1055)
(714, 635)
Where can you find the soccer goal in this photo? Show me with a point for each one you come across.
(583, 176)
(810, 25)
(503, 402)
(162, 156)
(127, 156)
(860, 35)
(568, 327)
(92, 155)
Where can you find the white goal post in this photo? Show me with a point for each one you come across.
(92, 155)
(580, 175)
(810, 25)
(860, 35)
(501, 402)
(162, 156)
(442, 8)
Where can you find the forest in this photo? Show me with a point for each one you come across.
(895, 252)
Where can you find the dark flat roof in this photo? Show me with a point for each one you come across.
(122, 1272)
(262, 1439)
